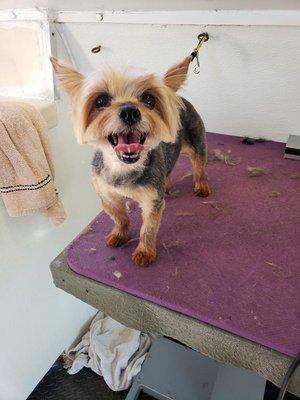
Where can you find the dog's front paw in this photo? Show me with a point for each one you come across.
(202, 189)
(116, 239)
(143, 257)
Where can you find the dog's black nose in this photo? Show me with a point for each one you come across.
(129, 114)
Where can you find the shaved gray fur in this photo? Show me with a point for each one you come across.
(161, 160)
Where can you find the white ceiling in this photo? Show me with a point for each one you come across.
(151, 5)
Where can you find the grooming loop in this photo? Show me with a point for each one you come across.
(202, 37)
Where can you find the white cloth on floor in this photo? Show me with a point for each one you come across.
(111, 350)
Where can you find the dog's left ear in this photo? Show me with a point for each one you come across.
(176, 75)
(70, 79)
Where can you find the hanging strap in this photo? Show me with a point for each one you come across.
(202, 37)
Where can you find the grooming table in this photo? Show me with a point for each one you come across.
(227, 278)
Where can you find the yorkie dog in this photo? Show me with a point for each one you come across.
(138, 126)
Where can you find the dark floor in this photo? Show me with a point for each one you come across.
(272, 392)
(57, 384)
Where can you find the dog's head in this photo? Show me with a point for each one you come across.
(125, 113)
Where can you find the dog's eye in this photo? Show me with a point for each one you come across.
(148, 99)
(102, 101)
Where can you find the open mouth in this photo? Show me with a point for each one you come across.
(128, 146)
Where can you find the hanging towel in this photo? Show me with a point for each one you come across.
(26, 165)
(111, 350)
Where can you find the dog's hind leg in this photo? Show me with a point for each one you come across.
(168, 184)
(194, 145)
(201, 185)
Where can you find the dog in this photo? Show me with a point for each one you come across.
(138, 126)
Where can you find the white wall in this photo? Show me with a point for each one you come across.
(152, 5)
(39, 321)
(249, 80)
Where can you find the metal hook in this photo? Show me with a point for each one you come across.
(202, 37)
(96, 49)
(197, 67)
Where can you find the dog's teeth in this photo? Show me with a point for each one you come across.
(129, 156)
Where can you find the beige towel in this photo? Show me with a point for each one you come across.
(26, 165)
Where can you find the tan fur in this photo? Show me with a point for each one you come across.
(93, 125)
(176, 75)
(145, 253)
(201, 187)
(113, 205)
(116, 209)
(68, 77)
(168, 186)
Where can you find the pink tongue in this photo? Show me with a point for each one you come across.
(129, 143)
(129, 148)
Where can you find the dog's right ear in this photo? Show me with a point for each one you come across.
(70, 79)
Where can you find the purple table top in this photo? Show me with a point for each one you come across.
(234, 264)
